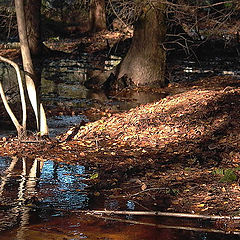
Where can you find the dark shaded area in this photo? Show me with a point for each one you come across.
(117, 84)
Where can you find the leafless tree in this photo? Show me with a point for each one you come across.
(29, 68)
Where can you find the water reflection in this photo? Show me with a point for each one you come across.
(61, 186)
(60, 124)
(181, 70)
(49, 184)
(36, 199)
(63, 80)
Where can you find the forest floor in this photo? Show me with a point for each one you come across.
(179, 154)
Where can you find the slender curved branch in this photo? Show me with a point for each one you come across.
(9, 110)
(21, 129)
(21, 89)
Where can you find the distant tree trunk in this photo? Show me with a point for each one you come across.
(32, 9)
(97, 16)
(145, 60)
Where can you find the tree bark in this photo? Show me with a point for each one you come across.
(30, 75)
(145, 60)
(97, 16)
(32, 9)
(26, 56)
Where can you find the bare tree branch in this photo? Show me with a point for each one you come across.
(20, 129)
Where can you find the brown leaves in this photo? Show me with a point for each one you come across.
(171, 143)
(175, 124)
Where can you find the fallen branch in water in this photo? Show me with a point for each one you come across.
(146, 213)
(170, 226)
(163, 214)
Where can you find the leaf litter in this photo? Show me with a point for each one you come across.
(163, 155)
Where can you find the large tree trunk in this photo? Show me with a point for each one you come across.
(97, 16)
(32, 9)
(145, 60)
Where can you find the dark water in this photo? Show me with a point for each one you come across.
(62, 87)
(191, 70)
(44, 200)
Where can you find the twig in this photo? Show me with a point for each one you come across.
(118, 17)
(137, 203)
(146, 190)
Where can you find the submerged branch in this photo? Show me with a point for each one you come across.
(153, 213)
(186, 228)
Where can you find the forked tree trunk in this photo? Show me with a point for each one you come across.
(97, 16)
(26, 57)
(30, 75)
(145, 60)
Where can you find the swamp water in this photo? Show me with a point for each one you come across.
(44, 199)
(63, 85)
(49, 200)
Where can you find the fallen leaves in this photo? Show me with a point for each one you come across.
(174, 143)
(164, 125)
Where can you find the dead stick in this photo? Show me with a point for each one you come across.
(146, 190)
(148, 213)
(169, 226)
(165, 214)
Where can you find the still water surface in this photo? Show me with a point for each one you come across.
(44, 200)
